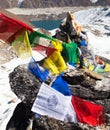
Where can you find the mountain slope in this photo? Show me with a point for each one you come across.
(50, 3)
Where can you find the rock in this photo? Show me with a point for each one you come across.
(46, 123)
(82, 82)
(26, 86)
(92, 74)
(6, 52)
(104, 84)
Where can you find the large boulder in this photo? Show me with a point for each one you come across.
(25, 85)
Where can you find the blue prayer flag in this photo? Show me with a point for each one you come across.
(61, 85)
(34, 68)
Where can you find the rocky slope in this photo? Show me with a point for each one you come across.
(81, 83)
(49, 3)
(26, 86)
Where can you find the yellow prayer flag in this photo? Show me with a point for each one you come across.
(57, 45)
(55, 63)
(21, 45)
(107, 67)
(91, 67)
(49, 64)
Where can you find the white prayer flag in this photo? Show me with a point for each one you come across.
(52, 103)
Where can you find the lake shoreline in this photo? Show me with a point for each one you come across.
(54, 13)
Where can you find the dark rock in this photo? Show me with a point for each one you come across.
(107, 27)
(84, 86)
(46, 123)
(20, 117)
(24, 84)
(106, 103)
(26, 87)
(108, 15)
(108, 34)
(49, 3)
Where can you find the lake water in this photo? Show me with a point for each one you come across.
(47, 24)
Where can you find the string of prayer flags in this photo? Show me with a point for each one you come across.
(54, 104)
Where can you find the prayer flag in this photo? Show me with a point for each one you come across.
(21, 45)
(55, 63)
(70, 52)
(61, 85)
(45, 50)
(35, 69)
(88, 112)
(57, 45)
(34, 37)
(9, 27)
(54, 104)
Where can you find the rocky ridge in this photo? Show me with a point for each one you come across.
(88, 86)
(49, 3)
(26, 87)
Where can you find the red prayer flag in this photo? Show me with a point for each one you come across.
(88, 112)
(9, 27)
(44, 49)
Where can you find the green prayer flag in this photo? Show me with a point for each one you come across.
(70, 52)
(35, 36)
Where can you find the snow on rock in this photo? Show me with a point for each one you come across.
(99, 45)
(93, 1)
(97, 18)
(96, 21)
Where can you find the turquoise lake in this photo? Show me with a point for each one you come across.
(47, 24)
